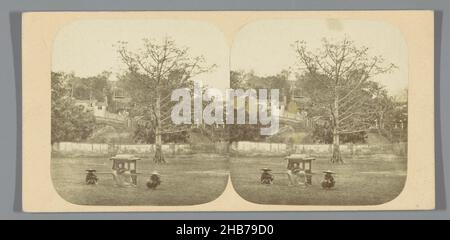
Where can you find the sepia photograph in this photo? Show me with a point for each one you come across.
(343, 119)
(112, 135)
(231, 119)
(341, 114)
(228, 111)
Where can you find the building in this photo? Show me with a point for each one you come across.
(98, 108)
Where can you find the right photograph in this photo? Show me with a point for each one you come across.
(342, 131)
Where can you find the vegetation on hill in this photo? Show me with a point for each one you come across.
(69, 122)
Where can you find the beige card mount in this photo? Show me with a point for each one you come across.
(228, 111)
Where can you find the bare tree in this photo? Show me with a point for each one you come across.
(343, 76)
(153, 72)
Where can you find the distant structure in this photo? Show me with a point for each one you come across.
(98, 108)
(120, 101)
(295, 109)
(113, 109)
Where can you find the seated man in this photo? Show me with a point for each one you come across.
(122, 177)
(266, 176)
(154, 180)
(296, 175)
(91, 178)
(328, 180)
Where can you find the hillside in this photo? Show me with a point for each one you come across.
(105, 133)
(373, 138)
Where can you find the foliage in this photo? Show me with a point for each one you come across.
(68, 121)
(247, 80)
(242, 80)
(395, 126)
(89, 88)
(244, 132)
(322, 133)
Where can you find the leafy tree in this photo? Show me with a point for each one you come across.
(89, 88)
(152, 73)
(68, 121)
(341, 86)
(243, 80)
(237, 79)
(244, 132)
(395, 122)
(250, 80)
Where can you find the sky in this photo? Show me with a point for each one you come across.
(86, 47)
(265, 46)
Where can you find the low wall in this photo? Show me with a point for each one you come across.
(244, 148)
(258, 147)
(253, 148)
(100, 148)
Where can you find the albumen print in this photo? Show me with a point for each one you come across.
(228, 111)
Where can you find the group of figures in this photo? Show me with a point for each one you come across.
(298, 176)
(124, 173)
(299, 172)
(124, 178)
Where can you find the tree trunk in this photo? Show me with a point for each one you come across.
(159, 156)
(336, 157)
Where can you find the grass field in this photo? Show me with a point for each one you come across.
(201, 178)
(362, 180)
(186, 180)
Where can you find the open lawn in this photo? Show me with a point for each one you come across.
(201, 178)
(186, 180)
(362, 180)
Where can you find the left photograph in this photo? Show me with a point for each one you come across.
(113, 139)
